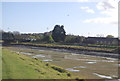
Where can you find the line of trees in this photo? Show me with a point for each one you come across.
(58, 34)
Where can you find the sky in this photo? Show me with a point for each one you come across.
(81, 17)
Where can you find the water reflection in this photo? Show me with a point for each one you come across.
(74, 54)
(91, 62)
(41, 50)
(102, 76)
(47, 60)
(38, 56)
(41, 55)
(80, 67)
(83, 58)
(25, 53)
(70, 69)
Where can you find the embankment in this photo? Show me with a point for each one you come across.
(77, 49)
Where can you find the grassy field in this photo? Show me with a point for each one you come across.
(17, 66)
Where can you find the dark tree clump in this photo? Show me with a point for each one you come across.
(7, 37)
(58, 33)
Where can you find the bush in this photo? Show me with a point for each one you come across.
(48, 39)
(74, 39)
(77, 79)
(47, 64)
(69, 74)
(59, 69)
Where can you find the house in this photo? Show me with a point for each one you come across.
(103, 40)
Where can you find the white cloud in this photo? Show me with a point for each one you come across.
(106, 20)
(107, 4)
(87, 9)
(108, 8)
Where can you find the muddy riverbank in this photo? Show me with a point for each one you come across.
(85, 66)
(77, 51)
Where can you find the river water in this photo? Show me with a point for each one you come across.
(85, 66)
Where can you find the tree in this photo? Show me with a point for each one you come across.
(7, 37)
(74, 39)
(16, 33)
(17, 36)
(48, 39)
(58, 33)
(110, 36)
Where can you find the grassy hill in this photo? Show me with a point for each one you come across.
(18, 66)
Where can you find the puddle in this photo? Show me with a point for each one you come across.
(86, 58)
(80, 67)
(110, 61)
(34, 47)
(74, 54)
(25, 53)
(96, 60)
(59, 50)
(47, 60)
(75, 57)
(55, 49)
(38, 56)
(91, 62)
(41, 50)
(118, 65)
(109, 58)
(106, 61)
(70, 69)
(103, 76)
(115, 76)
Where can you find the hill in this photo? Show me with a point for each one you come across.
(16, 66)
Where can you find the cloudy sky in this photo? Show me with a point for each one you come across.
(79, 17)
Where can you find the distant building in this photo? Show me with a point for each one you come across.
(103, 40)
(48, 33)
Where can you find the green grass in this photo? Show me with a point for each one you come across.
(17, 66)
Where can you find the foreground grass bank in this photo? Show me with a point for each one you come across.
(18, 66)
(69, 47)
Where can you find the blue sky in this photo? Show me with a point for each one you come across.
(78, 18)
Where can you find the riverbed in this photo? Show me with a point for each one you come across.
(82, 65)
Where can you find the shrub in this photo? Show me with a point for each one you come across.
(58, 69)
(69, 74)
(47, 64)
(77, 79)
